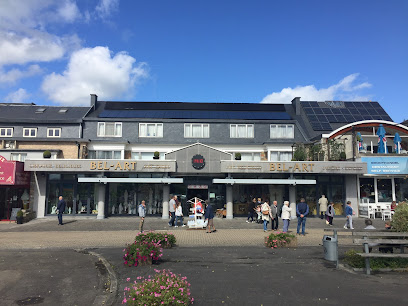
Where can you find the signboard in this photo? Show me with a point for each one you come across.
(386, 165)
(293, 167)
(197, 186)
(198, 162)
(105, 165)
(7, 171)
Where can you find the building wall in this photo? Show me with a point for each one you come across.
(68, 150)
(67, 131)
(351, 183)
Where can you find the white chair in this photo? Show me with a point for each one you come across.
(371, 211)
(386, 212)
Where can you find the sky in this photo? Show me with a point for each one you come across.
(58, 52)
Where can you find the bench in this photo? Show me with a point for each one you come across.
(380, 238)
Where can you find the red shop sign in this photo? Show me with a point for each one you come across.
(12, 173)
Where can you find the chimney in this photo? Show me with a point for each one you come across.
(296, 105)
(94, 101)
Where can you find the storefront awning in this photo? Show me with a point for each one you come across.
(265, 181)
(143, 180)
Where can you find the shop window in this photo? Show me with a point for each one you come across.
(30, 132)
(54, 132)
(18, 156)
(280, 156)
(145, 155)
(241, 131)
(109, 129)
(192, 130)
(150, 129)
(92, 154)
(401, 189)
(6, 132)
(384, 190)
(367, 190)
(278, 131)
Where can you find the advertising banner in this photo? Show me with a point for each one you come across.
(7, 171)
(386, 165)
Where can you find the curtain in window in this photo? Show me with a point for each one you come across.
(257, 156)
(241, 131)
(159, 130)
(286, 156)
(250, 131)
(147, 155)
(117, 155)
(274, 156)
(101, 129)
(142, 130)
(187, 130)
(118, 129)
(109, 129)
(233, 131)
(206, 131)
(246, 156)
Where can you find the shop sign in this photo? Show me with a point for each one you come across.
(12, 173)
(386, 165)
(293, 167)
(197, 186)
(198, 162)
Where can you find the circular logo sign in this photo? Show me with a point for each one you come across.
(198, 162)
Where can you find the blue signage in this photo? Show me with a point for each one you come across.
(386, 165)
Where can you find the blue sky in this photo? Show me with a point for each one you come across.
(59, 52)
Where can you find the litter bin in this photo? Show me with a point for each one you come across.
(330, 248)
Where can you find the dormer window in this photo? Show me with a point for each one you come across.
(6, 132)
(109, 129)
(29, 132)
(54, 132)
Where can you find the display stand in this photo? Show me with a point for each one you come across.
(197, 212)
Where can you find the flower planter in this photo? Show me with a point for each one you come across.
(291, 244)
(19, 220)
(147, 262)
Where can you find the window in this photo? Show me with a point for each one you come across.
(282, 131)
(54, 132)
(250, 156)
(242, 131)
(6, 132)
(280, 156)
(18, 156)
(151, 129)
(30, 132)
(92, 154)
(196, 130)
(145, 155)
(109, 129)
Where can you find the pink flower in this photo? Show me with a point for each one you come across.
(128, 279)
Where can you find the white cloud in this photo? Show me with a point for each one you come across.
(106, 7)
(343, 90)
(15, 74)
(69, 11)
(94, 70)
(18, 96)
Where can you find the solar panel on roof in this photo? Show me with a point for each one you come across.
(309, 111)
(318, 111)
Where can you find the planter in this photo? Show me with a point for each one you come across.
(292, 244)
(148, 262)
(19, 220)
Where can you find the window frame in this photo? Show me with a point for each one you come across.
(30, 129)
(286, 136)
(5, 129)
(19, 155)
(53, 130)
(246, 130)
(202, 125)
(156, 129)
(104, 123)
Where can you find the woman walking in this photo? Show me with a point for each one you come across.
(286, 214)
(266, 213)
(330, 213)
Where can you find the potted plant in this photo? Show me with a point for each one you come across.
(156, 155)
(237, 156)
(19, 217)
(47, 154)
(343, 156)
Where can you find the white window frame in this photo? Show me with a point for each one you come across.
(18, 156)
(279, 155)
(201, 125)
(51, 132)
(247, 134)
(5, 131)
(101, 129)
(30, 130)
(157, 126)
(286, 134)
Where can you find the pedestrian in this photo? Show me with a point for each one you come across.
(266, 213)
(251, 210)
(179, 214)
(142, 215)
(172, 210)
(274, 215)
(61, 208)
(323, 206)
(330, 212)
(349, 215)
(302, 210)
(286, 214)
(209, 217)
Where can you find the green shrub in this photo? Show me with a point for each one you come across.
(166, 240)
(20, 213)
(353, 259)
(47, 154)
(399, 221)
(164, 288)
(278, 240)
(299, 154)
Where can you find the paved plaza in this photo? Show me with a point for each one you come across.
(80, 263)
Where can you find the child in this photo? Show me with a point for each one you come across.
(349, 215)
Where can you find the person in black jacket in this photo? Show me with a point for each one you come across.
(61, 208)
(209, 217)
(302, 210)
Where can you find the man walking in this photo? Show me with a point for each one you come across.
(142, 215)
(323, 206)
(302, 209)
(209, 217)
(61, 208)
(172, 210)
(274, 214)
